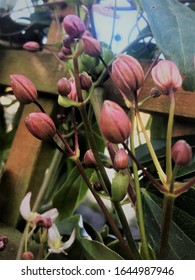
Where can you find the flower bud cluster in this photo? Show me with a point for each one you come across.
(76, 35)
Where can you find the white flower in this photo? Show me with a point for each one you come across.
(34, 217)
(55, 240)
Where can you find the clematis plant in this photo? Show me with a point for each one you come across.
(115, 127)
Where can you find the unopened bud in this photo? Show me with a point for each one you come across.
(114, 122)
(166, 76)
(64, 86)
(181, 153)
(73, 26)
(32, 46)
(67, 41)
(40, 125)
(121, 159)
(85, 80)
(23, 89)
(154, 92)
(28, 256)
(119, 187)
(98, 187)
(91, 46)
(89, 159)
(127, 73)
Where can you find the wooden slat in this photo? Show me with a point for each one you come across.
(41, 68)
(25, 167)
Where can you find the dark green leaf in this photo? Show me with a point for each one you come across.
(173, 27)
(181, 238)
(70, 194)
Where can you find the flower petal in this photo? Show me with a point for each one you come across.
(25, 209)
(69, 242)
(52, 214)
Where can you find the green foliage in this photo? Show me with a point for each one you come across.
(181, 240)
(172, 25)
(70, 194)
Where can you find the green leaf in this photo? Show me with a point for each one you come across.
(67, 102)
(181, 238)
(70, 194)
(92, 250)
(173, 27)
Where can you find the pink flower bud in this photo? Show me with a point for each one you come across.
(74, 26)
(23, 89)
(64, 86)
(89, 159)
(121, 159)
(114, 122)
(166, 76)
(73, 93)
(40, 125)
(127, 73)
(85, 80)
(91, 46)
(181, 153)
(28, 256)
(32, 46)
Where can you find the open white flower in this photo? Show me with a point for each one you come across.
(33, 217)
(55, 240)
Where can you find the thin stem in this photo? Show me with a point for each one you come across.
(159, 169)
(168, 204)
(185, 187)
(171, 189)
(138, 193)
(169, 136)
(77, 80)
(105, 211)
(144, 170)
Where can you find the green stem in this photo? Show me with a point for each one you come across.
(168, 204)
(169, 136)
(185, 187)
(159, 169)
(138, 193)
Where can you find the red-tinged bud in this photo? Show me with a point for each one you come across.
(40, 125)
(73, 93)
(66, 51)
(181, 153)
(127, 73)
(74, 26)
(121, 160)
(114, 122)
(28, 256)
(89, 159)
(23, 89)
(67, 41)
(85, 80)
(32, 46)
(166, 76)
(64, 86)
(91, 46)
(154, 93)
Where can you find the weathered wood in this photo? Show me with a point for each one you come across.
(25, 166)
(41, 68)
(185, 100)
